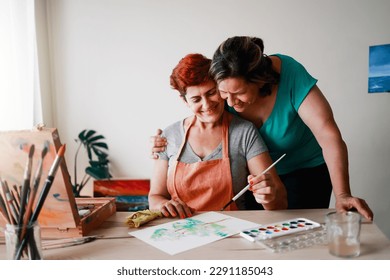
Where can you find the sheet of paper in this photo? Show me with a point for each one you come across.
(185, 234)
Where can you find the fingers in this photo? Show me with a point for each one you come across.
(355, 203)
(361, 206)
(262, 187)
(158, 144)
(176, 207)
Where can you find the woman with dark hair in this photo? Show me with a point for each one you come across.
(282, 100)
(211, 155)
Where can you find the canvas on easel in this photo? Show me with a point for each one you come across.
(59, 217)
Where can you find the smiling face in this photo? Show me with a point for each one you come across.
(238, 93)
(205, 102)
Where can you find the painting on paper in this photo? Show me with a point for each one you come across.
(185, 234)
(379, 69)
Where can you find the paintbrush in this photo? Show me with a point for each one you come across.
(26, 184)
(34, 188)
(66, 242)
(48, 183)
(42, 198)
(4, 187)
(248, 186)
(3, 209)
(15, 193)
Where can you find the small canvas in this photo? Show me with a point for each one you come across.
(130, 194)
(185, 234)
(379, 69)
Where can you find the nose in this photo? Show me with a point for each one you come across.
(206, 103)
(231, 101)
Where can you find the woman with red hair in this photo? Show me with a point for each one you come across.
(211, 155)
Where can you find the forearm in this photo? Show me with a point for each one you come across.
(336, 157)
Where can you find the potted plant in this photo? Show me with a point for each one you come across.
(97, 152)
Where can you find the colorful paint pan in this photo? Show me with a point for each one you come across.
(279, 229)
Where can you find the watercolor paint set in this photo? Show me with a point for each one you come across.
(279, 229)
(287, 235)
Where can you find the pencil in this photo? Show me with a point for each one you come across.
(248, 186)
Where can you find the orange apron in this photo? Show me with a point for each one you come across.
(203, 185)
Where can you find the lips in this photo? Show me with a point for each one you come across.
(210, 111)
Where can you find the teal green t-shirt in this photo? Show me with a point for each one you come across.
(284, 131)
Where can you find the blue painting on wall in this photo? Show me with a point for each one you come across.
(379, 69)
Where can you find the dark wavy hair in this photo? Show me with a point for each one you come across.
(192, 70)
(243, 57)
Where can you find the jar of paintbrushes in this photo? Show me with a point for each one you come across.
(21, 206)
(31, 233)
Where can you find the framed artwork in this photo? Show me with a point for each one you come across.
(379, 69)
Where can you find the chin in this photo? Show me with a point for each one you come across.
(239, 109)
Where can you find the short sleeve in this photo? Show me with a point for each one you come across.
(299, 81)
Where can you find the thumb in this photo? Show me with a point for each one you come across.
(158, 132)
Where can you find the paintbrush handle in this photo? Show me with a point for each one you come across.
(42, 198)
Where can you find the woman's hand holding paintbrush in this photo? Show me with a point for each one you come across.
(249, 185)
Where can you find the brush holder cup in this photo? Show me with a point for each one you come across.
(23, 242)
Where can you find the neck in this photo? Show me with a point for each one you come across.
(207, 125)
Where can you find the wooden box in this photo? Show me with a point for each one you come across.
(59, 217)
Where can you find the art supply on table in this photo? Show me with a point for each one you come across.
(248, 186)
(278, 229)
(59, 217)
(184, 234)
(35, 186)
(69, 242)
(299, 240)
(3, 209)
(24, 240)
(26, 185)
(142, 217)
(84, 212)
(286, 235)
(343, 231)
(32, 249)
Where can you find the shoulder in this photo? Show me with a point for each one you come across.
(288, 62)
(238, 123)
(173, 129)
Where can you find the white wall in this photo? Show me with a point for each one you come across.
(111, 62)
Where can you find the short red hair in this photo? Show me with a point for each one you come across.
(192, 70)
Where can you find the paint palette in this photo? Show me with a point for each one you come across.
(279, 229)
(299, 240)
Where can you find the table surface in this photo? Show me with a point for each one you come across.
(117, 244)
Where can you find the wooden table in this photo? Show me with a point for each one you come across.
(119, 245)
